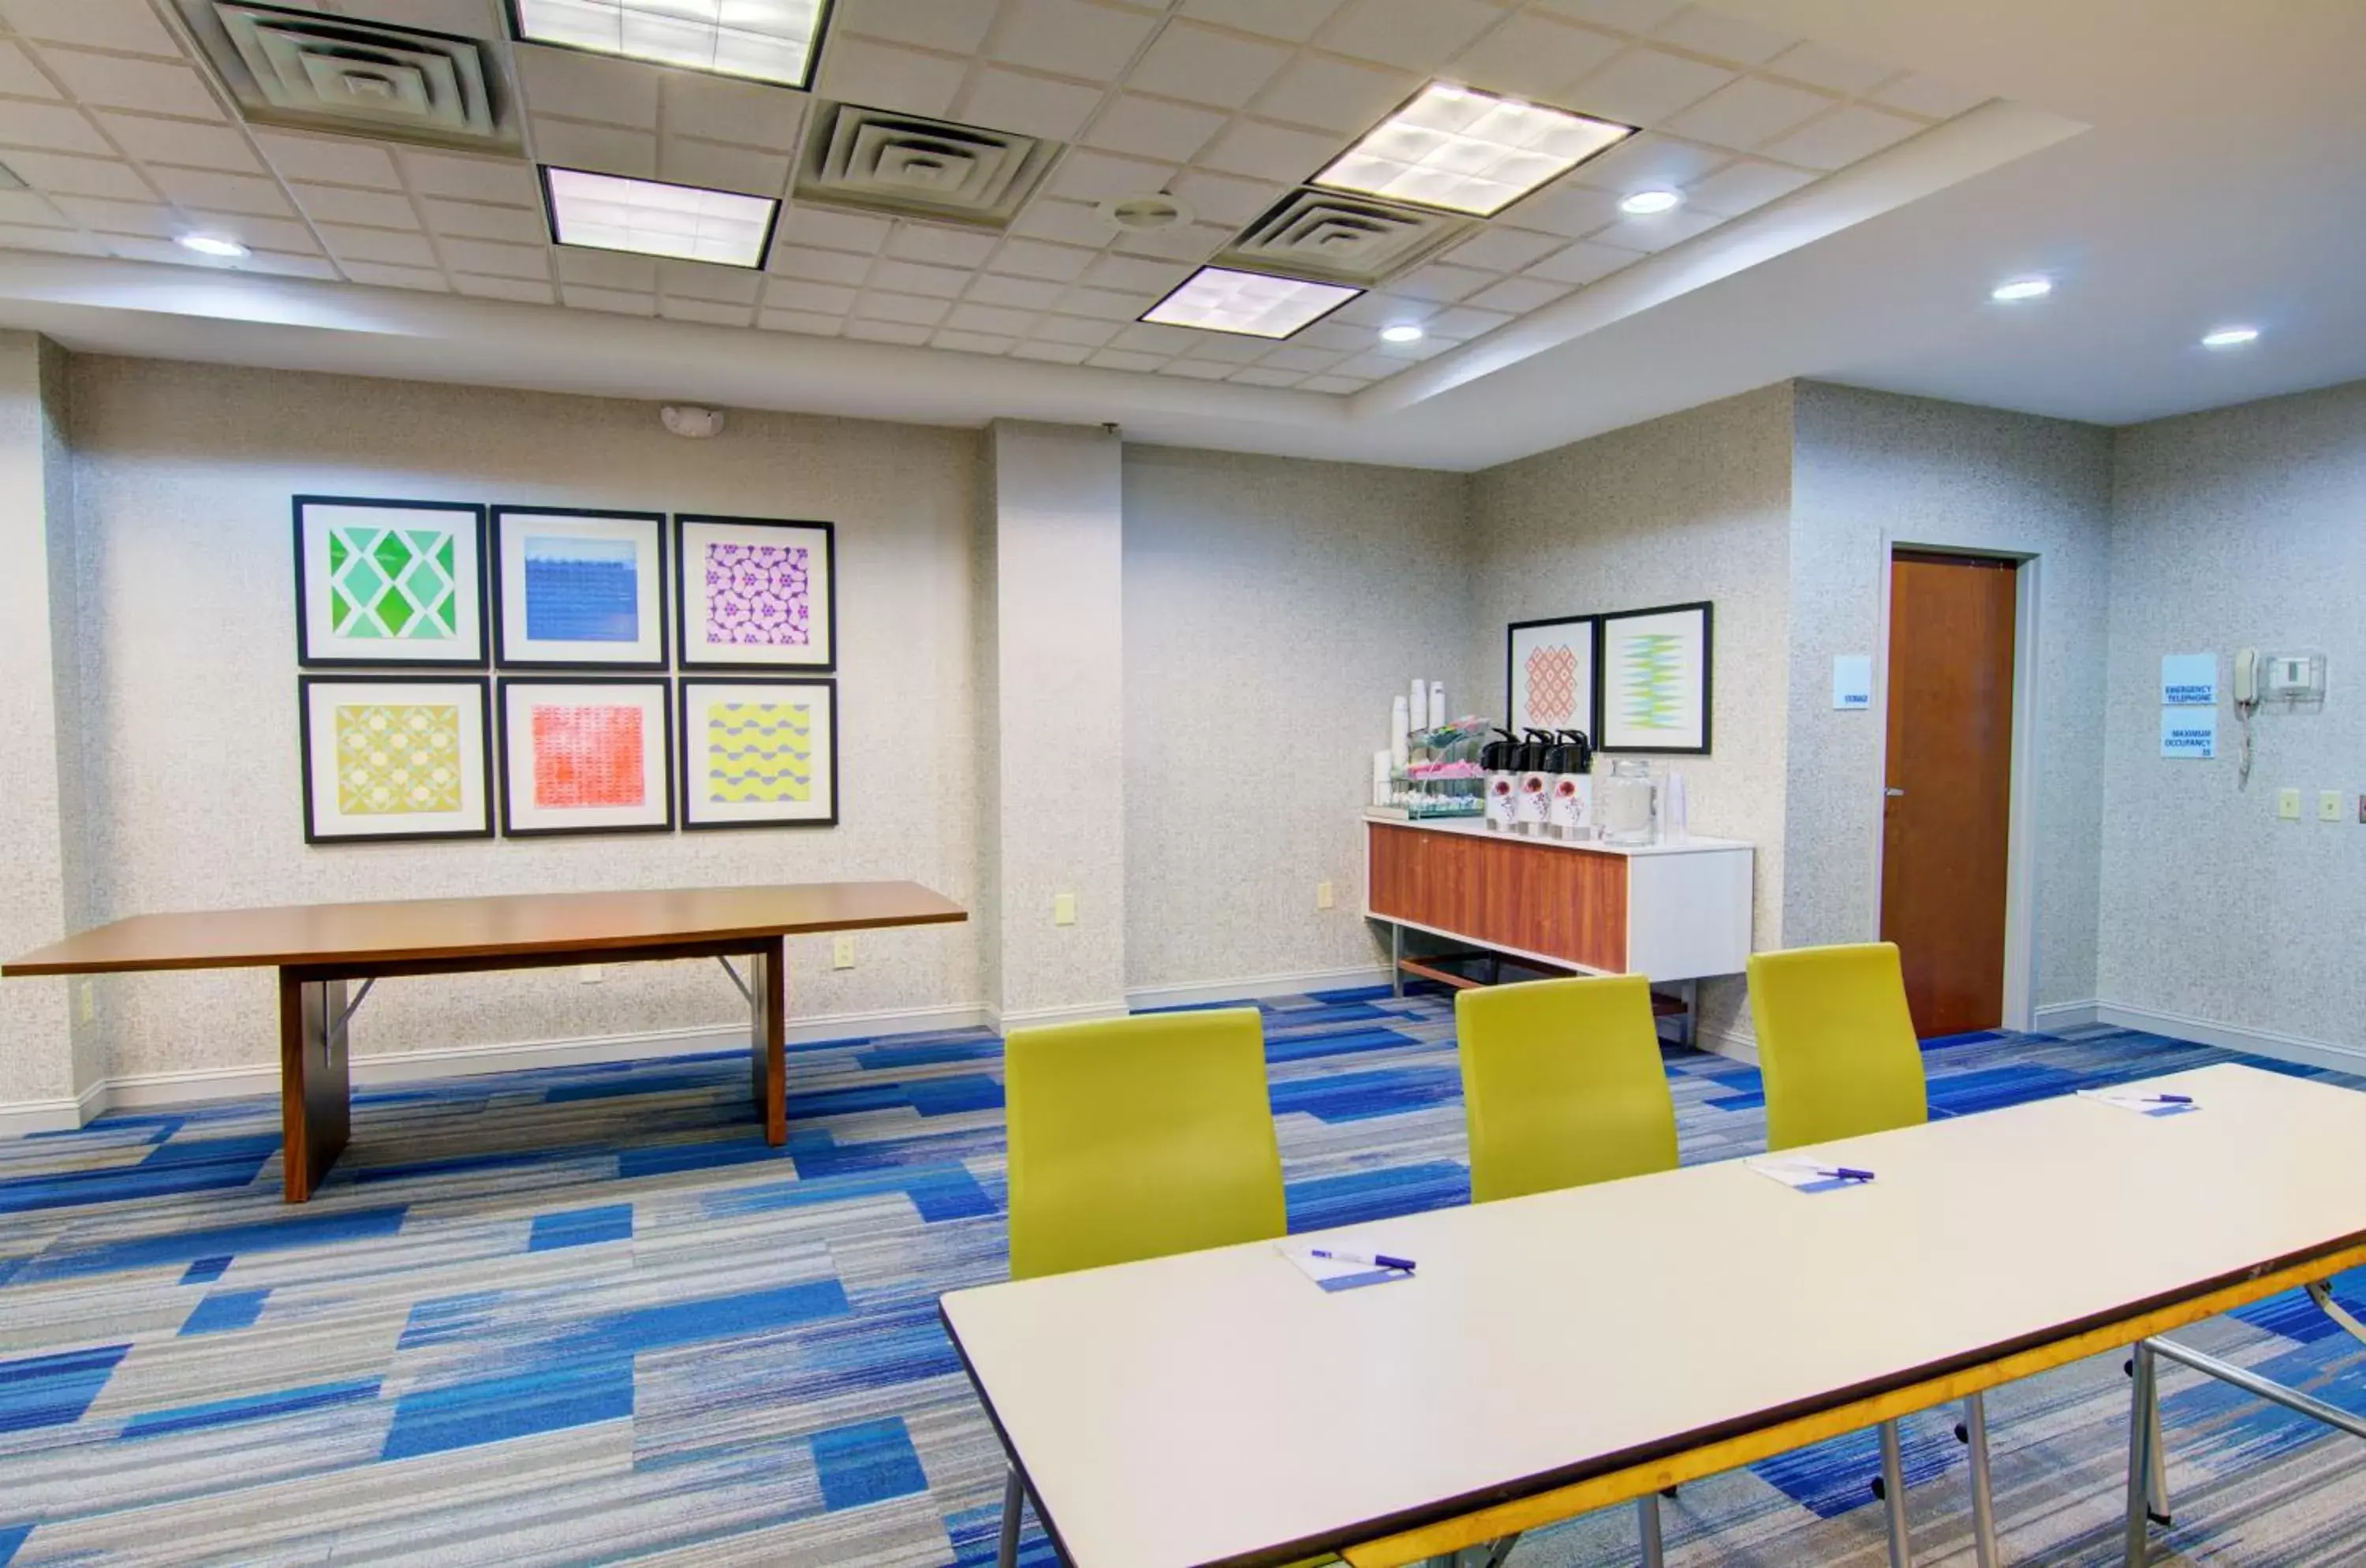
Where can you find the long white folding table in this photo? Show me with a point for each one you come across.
(1563, 1352)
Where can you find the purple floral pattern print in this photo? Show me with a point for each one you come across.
(758, 595)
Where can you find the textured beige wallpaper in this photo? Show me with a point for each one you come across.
(183, 474)
(1272, 607)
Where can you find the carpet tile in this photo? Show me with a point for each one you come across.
(587, 1315)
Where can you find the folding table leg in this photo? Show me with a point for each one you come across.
(1647, 1516)
(1014, 1498)
(1893, 1495)
(1976, 1436)
(2141, 1416)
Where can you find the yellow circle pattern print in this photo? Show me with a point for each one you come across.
(398, 760)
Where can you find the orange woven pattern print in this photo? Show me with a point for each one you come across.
(1552, 684)
(588, 757)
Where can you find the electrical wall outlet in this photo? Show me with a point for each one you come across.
(841, 951)
(2288, 805)
(1322, 895)
(2330, 806)
(1063, 908)
(589, 974)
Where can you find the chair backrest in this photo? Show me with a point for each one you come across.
(1139, 1137)
(1562, 1084)
(1835, 1042)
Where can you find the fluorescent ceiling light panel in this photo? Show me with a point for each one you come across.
(768, 40)
(1252, 304)
(606, 212)
(1469, 152)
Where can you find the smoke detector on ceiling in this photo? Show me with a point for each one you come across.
(1140, 214)
(691, 422)
(359, 77)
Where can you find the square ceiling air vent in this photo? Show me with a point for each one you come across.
(365, 78)
(922, 168)
(1340, 239)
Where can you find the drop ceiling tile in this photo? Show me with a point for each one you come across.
(525, 291)
(1721, 36)
(716, 166)
(1153, 128)
(425, 279)
(935, 242)
(1650, 161)
(1441, 282)
(820, 227)
(181, 142)
(820, 267)
(1415, 34)
(823, 298)
(1830, 69)
(1259, 375)
(1075, 330)
(1396, 356)
(616, 301)
(1070, 38)
(1625, 15)
(1746, 113)
(909, 308)
(1376, 310)
(1519, 295)
(1003, 99)
(701, 280)
(1462, 323)
(957, 26)
(582, 85)
(607, 269)
(1185, 241)
(60, 175)
(1744, 186)
(1123, 359)
(1103, 305)
(378, 245)
(331, 160)
(1337, 385)
(1005, 322)
(805, 321)
(1219, 198)
(1052, 353)
(1339, 96)
(108, 24)
(1018, 293)
(286, 266)
(711, 313)
(499, 261)
(912, 278)
(1032, 258)
(604, 149)
(121, 216)
(25, 208)
(1127, 274)
(474, 221)
(749, 114)
(19, 76)
(380, 208)
(1371, 365)
(53, 128)
(263, 233)
(1300, 360)
(1067, 222)
(225, 192)
(1335, 335)
(1087, 175)
(1568, 209)
(1930, 97)
(1205, 66)
(1228, 350)
(1645, 87)
(1503, 249)
(472, 179)
(1533, 57)
(1270, 151)
(63, 242)
(972, 342)
(887, 331)
(110, 81)
(1197, 369)
(1583, 263)
(880, 75)
(1843, 137)
(1296, 21)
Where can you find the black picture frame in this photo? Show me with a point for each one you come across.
(498, 621)
(501, 765)
(1706, 609)
(682, 523)
(306, 658)
(304, 684)
(682, 768)
(1512, 630)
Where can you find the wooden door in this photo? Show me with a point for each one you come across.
(1947, 806)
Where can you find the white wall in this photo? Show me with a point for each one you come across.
(2243, 527)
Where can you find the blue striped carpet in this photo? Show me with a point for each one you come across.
(588, 1316)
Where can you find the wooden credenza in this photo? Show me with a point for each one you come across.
(1673, 911)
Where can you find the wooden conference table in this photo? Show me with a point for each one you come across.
(1561, 1353)
(317, 948)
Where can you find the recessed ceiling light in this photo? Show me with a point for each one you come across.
(770, 40)
(2230, 337)
(1218, 299)
(1469, 152)
(606, 212)
(1405, 331)
(1644, 203)
(213, 246)
(2022, 288)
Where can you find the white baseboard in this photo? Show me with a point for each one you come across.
(18, 1117)
(1031, 1017)
(1730, 1043)
(2059, 1016)
(1145, 998)
(2232, 1037)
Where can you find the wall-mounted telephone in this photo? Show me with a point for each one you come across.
(2247, 703)
(2296, 680)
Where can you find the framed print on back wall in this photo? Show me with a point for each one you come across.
(1548, 673)
(388, 582)
(394, 757)
(758, 752)
(1656, 666)
(753, 591)
(586, 756)
(574, 588)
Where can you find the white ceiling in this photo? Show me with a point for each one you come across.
(2218, 182)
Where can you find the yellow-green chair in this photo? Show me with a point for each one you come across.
(1136, 1138)
(1836, 1047)
(1562, 1085)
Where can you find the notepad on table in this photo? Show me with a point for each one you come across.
(1339, 1273)
(2144, 1102)
(1805, 1174)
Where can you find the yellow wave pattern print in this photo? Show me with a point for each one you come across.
(759, 754)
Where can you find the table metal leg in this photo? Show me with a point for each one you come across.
(315, 1082)
(1014, 1497)
(1893, 1495)
(2157, 1481)
(1647, 1517)
(767, 989)
(1976, 1436)
(2140, 1444)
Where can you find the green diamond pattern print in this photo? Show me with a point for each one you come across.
(393, 583)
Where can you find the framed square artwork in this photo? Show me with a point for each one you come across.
(394, 757)
(388, 582)
(756, 593)
(575, 589)
(759, 754)
(1548, 674)
(586, 756)
(1655, 679)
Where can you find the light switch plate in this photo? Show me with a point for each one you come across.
(841, 952)
(2330, 806)
(2288, 805)
(1322, 894)
(1063, 908)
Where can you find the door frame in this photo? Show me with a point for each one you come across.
(2021, 859)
